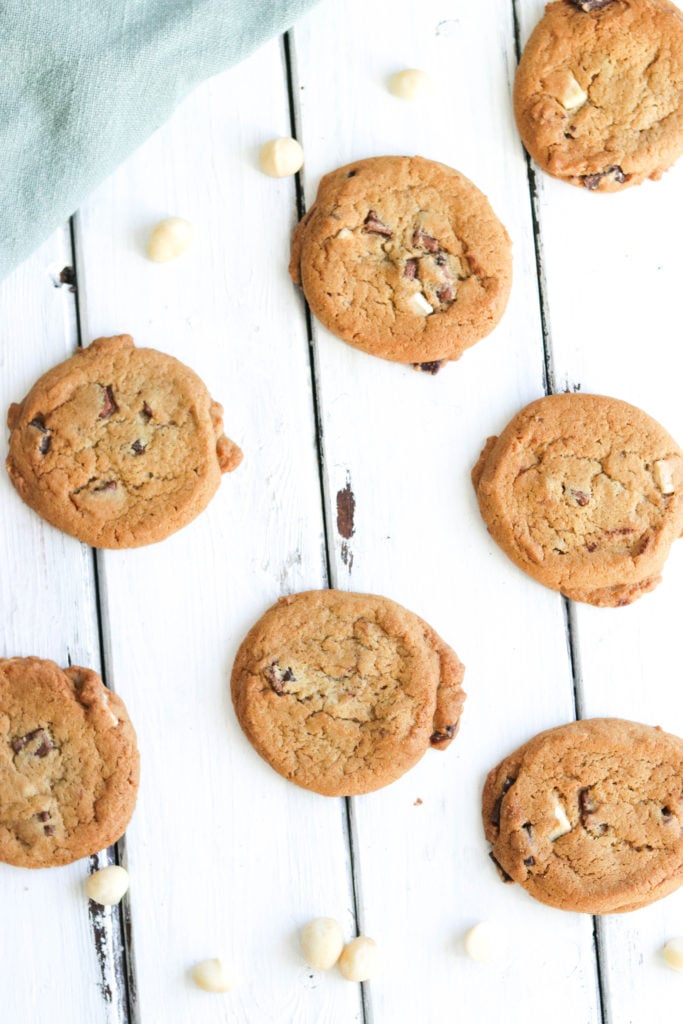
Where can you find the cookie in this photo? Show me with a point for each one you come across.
(118, 446)
(342, 693)
(598, 92)
(69, 764)
(403, 258)
(589, 816)
(585, 494)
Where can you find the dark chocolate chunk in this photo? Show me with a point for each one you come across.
(580, 497)
(288, 676)
(146, 413)
(137, 447)
(667, 812)
(441, 735)
(375, 226)
(527, 828)
(446, 294)
(39, 424)
(529, 861)
(44, 445)
(501, 870)
(591, 181)
(49, 830)
(421, 240)
(509, 783)
(591, 5)
(45, 744)
(495, 813)
(410, 270)
(432, 367)
(108, 485)
(43, 816)
(587, 805)
(109, 406)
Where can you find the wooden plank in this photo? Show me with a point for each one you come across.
(52, 953)
(404, 444)
(612, 268)
(226, 858)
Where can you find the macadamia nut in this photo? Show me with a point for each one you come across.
(322, 940)
(281, 157)
(169, 239)
(483, 942)
(108, 886)
(359, 959)
(673, 954)
(410, 84)
(212, 976)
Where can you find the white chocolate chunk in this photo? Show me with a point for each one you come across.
(663, 476)
(322, 941)
(673, 954)
(169, 239)
(483, 942)
(419, 305)
(410, 84)
(566, 90)
(281, 157)
(212, 976)
(360, 959)
(564, 825)
(108, 886)
(344, 233)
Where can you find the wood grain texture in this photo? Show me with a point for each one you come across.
(404, 444)
(227, 859)
(612, 268)
(48, 951)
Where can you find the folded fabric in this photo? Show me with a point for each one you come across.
(84, 82)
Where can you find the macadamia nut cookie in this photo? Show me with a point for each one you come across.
(69, 764)
(598, 94)
(589, 816)
(118, 446)
(403, 258)
(342, 693)
(585, 494)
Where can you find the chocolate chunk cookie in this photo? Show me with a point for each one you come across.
(584, 493)
(589, 816)
(404, 258)
(118, 446)
(69, 764)
(599, 89)
(343, 693)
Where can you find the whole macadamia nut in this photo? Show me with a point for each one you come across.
(410, 84)
(322, 941)
(359, 959)
(483, 942)
(281, 157)
(212, 976)
(108, 886)
(169, 239)
(673, 954)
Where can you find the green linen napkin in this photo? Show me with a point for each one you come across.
(84, 82)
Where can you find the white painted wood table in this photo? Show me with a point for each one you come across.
(225, 857)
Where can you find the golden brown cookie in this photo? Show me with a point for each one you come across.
(342, 693)
(589, 816)
(404, 258)
(585, 494)
(69, 764)
(118, 446)
(598, 92)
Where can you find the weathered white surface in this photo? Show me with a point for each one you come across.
(48, 955)
(227, 859)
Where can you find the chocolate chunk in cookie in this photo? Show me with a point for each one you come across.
(404, 258)
(598, 94)
(585, 494)
(592, 820)
(342, 693)
(118, 446)
(69, 764)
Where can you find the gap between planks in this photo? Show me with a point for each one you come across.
(330, 575)
(550, 388)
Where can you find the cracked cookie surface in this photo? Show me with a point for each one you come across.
(598, 94)
(585, 494)
(118, 446)
(342, 693)
(69, 764)
(589, 816)
(404, 258)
